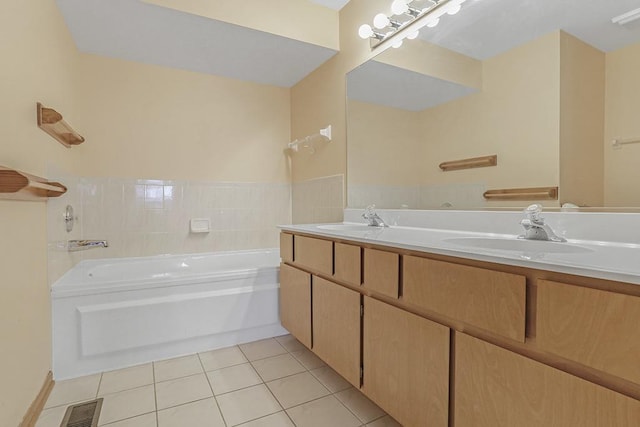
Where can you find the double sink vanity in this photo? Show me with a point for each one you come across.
(448, 327)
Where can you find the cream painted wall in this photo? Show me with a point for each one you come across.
(39, 64)
(305, 21)
(622, 104)
(582, 88)
(146, 121)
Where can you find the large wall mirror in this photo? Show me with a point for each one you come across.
(540, 88)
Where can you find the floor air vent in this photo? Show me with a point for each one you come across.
(83, 414)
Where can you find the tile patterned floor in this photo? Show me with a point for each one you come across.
(269, 383)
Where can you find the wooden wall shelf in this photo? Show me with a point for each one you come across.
(50, 121)
(16, 185)
(534, 193)
(475, 162)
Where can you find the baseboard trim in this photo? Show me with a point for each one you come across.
(35, 409)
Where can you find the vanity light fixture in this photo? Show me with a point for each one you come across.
(625, 18)
(407, 20)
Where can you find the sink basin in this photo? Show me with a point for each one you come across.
(519, 245)
(348, 227)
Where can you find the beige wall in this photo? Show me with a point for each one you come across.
(39, 64)
(622, 105)
(146, 121)
(582, 85)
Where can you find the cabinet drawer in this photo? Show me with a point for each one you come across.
(495, 387)
(381, 272)
(314, 254)
(295, 303)
(286, 247)
(347, 263)
(596, 328)
(487, 299)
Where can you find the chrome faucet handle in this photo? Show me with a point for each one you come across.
(535, 227)
(533, 213)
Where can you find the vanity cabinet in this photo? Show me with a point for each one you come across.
(596, 328)
(406, 365)
(442, 341)
(496, 387)
(295, 303)
(336, 328)
(491, 300)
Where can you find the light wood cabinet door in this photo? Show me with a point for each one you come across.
(497, 388)
(295, 303)
(491, 300)
(406, 365)
(314, 254)
(382, 272)
(347, 263)
(596, 328)
(336, 328)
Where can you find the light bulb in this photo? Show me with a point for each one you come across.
(455, 8)
(365, 31)
(380, 21)
(399, 7)
(413, 35)
(433, 23)
(396, 44)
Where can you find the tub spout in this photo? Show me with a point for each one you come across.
(83, 245)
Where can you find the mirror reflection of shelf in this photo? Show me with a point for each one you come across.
(50, 121)
(475, 162)
(16, 185)
(534, 193)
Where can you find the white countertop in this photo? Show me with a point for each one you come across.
(604, 260)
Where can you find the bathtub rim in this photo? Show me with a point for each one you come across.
(77, 288)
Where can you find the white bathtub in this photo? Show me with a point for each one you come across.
(113, 313)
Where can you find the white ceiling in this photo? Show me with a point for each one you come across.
(137, 31)
(331, 4)
(485, 28)
(378, 83)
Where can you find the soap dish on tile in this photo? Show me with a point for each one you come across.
(200, 225)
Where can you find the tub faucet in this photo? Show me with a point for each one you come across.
(83, 245)
(535, 227)
(372, 217)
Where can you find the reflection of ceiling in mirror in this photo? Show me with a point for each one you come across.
(382, 84)
(485, 28)
(331, 4)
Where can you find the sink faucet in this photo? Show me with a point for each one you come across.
(535, 227)
(372, 217)
(83, 245)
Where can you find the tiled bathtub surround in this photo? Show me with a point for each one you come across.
(318, 200)
(151, 217)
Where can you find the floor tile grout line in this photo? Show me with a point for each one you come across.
(155, 392)
(125, 419)
(212, 392)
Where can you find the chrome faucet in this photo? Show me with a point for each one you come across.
(535, 227)
(83, 245)
(372, 217)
